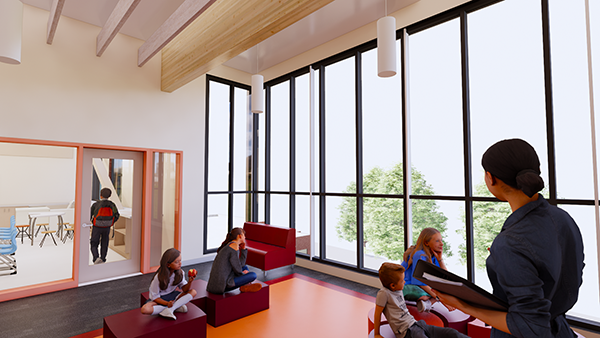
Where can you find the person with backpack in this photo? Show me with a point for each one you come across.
(104, 215)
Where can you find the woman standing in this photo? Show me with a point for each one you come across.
(536, 261)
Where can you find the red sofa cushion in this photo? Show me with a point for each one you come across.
(269, 234)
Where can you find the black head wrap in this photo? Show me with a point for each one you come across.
(516, 163)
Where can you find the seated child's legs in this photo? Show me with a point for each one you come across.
(244, 279)
(439, 332)
(414, 293)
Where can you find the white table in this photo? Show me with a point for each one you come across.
(33, 216)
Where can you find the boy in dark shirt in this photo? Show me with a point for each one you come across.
(104, 215)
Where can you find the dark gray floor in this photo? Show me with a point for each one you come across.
(75, 311)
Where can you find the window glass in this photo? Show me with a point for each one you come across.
(280, 210)
(341, 229)
(340, 127)
(570, 91)
(35, 179)
(218, 137)
(506, 80)
(240, 210)
(242, 135)
(587, 306)
(164, 204)
(280, 137)
(303, 133)
(381, 101)
(383, 224)
(217, 216)
(436, 109)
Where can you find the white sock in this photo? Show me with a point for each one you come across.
(158, 309)
(181, 301)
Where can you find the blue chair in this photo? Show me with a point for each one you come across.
(8, 248)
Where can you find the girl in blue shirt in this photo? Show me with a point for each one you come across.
(429, 248)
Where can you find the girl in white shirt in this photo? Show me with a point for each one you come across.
(169, 291)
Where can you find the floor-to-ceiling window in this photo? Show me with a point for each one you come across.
(228, 130)
(471, 78)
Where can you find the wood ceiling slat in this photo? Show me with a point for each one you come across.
(55, 12)
(113, 25)
(225, 30)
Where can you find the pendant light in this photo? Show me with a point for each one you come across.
(11, 28)
(386, 45)
(257, 105)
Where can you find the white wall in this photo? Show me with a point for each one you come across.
(37, 175)
(64, 92)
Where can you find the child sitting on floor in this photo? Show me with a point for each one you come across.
(229, 270)
(165, 295)
(390, 301)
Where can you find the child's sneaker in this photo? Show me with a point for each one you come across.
(252, 287)
(182, 309)
(167, 313)
(423, 305)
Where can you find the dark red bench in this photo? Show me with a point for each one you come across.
(134, 324)
(225, 308)
(269, 247)
(232, 305)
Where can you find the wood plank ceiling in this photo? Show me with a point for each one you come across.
(201, 34)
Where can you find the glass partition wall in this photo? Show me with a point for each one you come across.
(38, 182)
(467, 79)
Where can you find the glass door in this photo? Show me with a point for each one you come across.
(121, 172)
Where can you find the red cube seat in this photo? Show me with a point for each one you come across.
(133, 323)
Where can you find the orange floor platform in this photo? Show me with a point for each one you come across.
(300, 307)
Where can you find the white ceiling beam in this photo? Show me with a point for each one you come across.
(113, 25)
(177, 22)
(55, 11)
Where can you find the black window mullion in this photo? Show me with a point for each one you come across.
(255, 173)
(466, 110)
(405, 142)
(267, 154)
(206, 131)
(322, 187)
(359, 162)
(292, 152)
(552, 198)
(231, 156)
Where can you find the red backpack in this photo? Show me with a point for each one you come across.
(104, 217)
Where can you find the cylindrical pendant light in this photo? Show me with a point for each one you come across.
(11, 28)
(386, 46)
(257, 94)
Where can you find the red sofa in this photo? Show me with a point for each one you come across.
(269, 247)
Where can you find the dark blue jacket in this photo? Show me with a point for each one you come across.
(536, 266)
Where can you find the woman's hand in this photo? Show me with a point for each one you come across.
(170, 303)
(245, 272)
(452, 303)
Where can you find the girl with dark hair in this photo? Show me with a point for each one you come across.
(229, 270)
(165, 295)
(429, 248)
(536, 261)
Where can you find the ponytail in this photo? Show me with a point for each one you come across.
(231, 236)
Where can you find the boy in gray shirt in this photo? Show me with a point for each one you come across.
(390, 301)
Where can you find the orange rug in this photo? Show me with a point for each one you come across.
(299, 307)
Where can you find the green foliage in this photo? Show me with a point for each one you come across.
(384, 217)
(488, 219)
